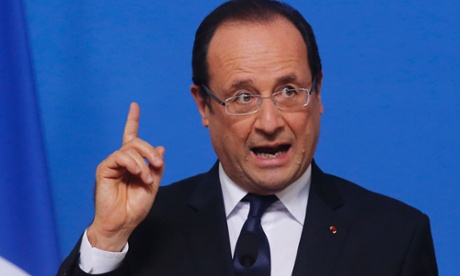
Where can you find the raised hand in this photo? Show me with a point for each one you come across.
(126, 185)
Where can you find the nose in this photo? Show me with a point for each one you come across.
(269, 118)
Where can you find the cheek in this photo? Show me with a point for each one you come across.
(305, 128)
(229, 134)
(236, 135)
(298, 123)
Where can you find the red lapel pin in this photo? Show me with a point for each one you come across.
(333, 229)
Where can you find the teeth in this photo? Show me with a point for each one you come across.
(270, 155)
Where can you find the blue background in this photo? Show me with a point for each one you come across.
(392, 109)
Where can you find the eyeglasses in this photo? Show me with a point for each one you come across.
(245, 103)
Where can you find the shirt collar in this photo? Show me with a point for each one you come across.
(294, 198)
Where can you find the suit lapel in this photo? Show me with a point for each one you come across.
(206, 229)
(324, 229)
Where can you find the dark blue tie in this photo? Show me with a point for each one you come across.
(252, 252)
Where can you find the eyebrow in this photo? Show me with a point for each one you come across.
(239, 84)
(292, 78)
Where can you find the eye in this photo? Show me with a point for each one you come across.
(243, 98)
(289, 92)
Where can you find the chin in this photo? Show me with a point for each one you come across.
(269, 187)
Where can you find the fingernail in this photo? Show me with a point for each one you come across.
(150, 178)
(158, 160)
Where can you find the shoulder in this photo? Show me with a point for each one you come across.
(174, 198)
(372, 214)
(360, 204)
(369, 202)
(181, 189)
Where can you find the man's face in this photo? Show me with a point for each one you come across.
(266, 151)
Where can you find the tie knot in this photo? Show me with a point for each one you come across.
(259, 204)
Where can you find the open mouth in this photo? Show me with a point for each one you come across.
(270, 152)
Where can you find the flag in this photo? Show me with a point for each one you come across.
(28, 243)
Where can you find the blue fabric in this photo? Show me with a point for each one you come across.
(251, 235)
(27, 229)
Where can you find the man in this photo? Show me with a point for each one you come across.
(257, 81)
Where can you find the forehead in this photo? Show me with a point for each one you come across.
(248, 51)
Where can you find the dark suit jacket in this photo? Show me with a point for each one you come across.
(186, 233)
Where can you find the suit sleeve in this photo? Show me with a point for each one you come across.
(420, 258)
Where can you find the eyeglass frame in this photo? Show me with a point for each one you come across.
(261, 98)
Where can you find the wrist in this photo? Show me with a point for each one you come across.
(112, 241)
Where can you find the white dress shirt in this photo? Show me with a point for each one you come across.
(282, 223)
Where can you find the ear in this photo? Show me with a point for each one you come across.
(201, 104)
(319, 84)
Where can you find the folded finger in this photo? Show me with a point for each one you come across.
(154, 156)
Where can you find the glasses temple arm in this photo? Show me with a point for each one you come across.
(209, 92)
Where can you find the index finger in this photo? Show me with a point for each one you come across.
(132, 123)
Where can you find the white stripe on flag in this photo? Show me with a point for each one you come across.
(7, 268)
